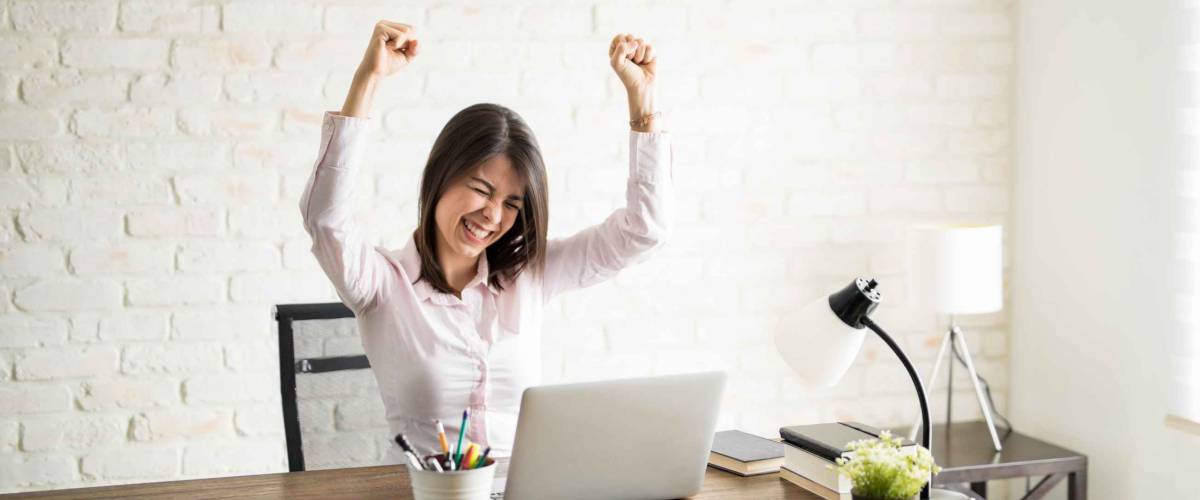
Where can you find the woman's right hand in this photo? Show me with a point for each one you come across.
(393, 45)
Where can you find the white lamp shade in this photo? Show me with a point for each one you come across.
(817, 345)
(957, 269)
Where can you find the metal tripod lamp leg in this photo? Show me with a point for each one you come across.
(953, 339)
(983, 405)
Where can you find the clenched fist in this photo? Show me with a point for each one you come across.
(393, 45)
(636, 65)
(634, 61)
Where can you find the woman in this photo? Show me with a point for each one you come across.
(453, 320)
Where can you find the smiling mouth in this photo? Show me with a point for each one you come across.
(476, 233)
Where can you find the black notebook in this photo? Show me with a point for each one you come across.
(745, 454)
(829, 441)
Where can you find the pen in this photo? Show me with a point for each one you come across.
(483, 457)
(413, 460)
(462, 431)
(445, 461)
(433, 461)
(441, 430)
(408, 451)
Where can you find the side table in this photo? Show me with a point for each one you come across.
(964, 451)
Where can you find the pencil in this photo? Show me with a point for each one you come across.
(442, 437)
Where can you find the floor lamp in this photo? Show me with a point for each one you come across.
(958, 270)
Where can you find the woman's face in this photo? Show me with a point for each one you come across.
(478, 209)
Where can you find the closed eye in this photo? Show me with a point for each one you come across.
(487, 193)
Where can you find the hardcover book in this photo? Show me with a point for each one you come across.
(745, 454)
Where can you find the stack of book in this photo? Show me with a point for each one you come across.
(810, 453)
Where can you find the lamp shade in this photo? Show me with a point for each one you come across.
(957, 269)
(820, 340)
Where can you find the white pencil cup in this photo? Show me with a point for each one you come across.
(470, 484)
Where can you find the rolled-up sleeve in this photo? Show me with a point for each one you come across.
(629, 234)
(357, 270)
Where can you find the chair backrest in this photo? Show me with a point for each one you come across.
(332, 414)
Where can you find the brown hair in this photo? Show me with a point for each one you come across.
(472, 137)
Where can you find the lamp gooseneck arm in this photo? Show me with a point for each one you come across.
(926, 424)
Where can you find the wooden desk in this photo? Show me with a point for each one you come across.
(388, 481)
(964, 451)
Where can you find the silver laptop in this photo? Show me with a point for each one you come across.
(630, 438)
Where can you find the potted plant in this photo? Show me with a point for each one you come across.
(879, 471)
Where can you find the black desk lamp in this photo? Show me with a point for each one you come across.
(824, 338)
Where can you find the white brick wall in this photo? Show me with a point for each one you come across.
(153, 153)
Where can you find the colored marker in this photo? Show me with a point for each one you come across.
(468, 458)
(483, 458)
(462, 432)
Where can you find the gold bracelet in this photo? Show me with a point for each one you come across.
(645, 120)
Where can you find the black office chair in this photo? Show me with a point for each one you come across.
(332, 414)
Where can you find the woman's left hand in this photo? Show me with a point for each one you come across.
(634, 61)
(636, 65)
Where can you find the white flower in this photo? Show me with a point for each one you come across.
(879, 469)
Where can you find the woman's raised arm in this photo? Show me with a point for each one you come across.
(630, 233)
(358, 272)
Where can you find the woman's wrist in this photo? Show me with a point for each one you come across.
(642, 117)
(362, 92)
(641, 102)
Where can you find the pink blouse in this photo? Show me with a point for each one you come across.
(433, 354)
